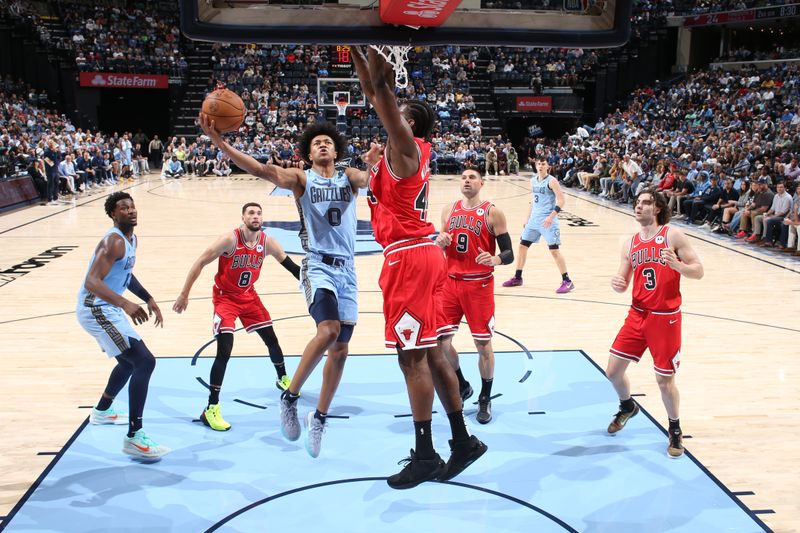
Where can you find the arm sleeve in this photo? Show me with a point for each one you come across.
(291, 266)
(136, 288)
(506, 254)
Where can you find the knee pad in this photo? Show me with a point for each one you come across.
(224, 345)
(552, 246)
(345, 332)
(526, 244)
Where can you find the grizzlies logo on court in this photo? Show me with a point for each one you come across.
(286, 233)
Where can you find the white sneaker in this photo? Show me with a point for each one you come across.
(290, 426)
(314, 431)
(140, 446)
(109, 416)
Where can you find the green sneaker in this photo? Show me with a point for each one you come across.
(283, 382)
(212, 417)
(140, 446)
(109, 416)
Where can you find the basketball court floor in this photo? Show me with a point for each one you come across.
(550, 467)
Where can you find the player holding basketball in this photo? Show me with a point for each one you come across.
(656, 257)
(471, 229)
(413, 274)
(546, 204)
(240, 254)
(101, 311)
(325, 200)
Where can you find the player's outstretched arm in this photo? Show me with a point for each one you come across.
(225, 243)
(362, 71)
(110, 250)
(681, 257)
(623, 277)
(287, 178)
(360, 178)
(274, 248)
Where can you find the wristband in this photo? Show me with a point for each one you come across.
(557, 209)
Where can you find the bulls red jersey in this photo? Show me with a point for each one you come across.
(399, 206)
(656, 286)
(238, 270)
(470, 231)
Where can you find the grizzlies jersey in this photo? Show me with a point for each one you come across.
(399, 206)
(656, 286)
(544, 199)
(117, 278)
(238, 270)
(469, 229)
(328, 215)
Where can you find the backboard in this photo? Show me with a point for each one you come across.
(546, 23)
(333, 90)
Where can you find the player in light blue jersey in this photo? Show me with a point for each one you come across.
(101, 311)
(546, 202)
(326, 199)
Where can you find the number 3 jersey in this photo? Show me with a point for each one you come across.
(656, 286)
(469, 229)
(399, 206)
(238, 270)
(328, 215)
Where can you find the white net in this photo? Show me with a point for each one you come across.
(397, 56)
(342, 107)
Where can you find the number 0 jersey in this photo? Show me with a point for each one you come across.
(656, 286)
(399, 206)
(328, 215)
(238, 269)
(469, 229)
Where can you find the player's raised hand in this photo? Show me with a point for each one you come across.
(619, 283)
(373, 155)
(484, 258)
(152, 308)
(443, 240)
(208, 126)
(137, 314)
(181, 304)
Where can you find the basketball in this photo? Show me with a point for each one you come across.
(225, 108)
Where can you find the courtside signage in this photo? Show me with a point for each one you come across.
(108, 80)
(535, 104)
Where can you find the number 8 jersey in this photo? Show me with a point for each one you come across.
(238, 269)
(656, 286)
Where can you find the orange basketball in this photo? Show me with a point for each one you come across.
(225, 108)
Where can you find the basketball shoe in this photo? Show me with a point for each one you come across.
(462, 454)
(621, 418)
(290, 426)
(675, 448)
(416, 471)
(283, 382)
(212, 417)
(109, 416)
(314, 430)
(513, 282)
(141, 446)
(484, 415)
(566, 286)
(466, 392)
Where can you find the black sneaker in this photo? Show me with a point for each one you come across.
(484, 415)
(462, 454)
(416, 471)
(675, 448)
(466, 392)
(621, 418)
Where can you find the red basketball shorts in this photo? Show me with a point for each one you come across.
(412, 280)
(246, 307)
(473, 299)
(660, 332)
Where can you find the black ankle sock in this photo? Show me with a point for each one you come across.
(565, 276)
(424, 440)
(134, 425)
(213, 398)
(104, 403)
(486, 389)
(675, 425)
(462, 382)
(518, 274)
(286, 395)
(627, 405)
(280, 369)
(457, 425)
(322, 417)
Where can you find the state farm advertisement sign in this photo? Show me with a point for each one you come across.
(115, 80)
(534, 104)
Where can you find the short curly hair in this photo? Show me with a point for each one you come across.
(111, 202)
(422, 115)
(317, 129)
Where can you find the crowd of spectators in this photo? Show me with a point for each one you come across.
(745, 54)
(721, 145)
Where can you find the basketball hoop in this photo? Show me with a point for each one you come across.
(397, 57)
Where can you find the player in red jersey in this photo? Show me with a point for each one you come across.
(656, 257)
(240, 255)
(471, 229)
(413, 274)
